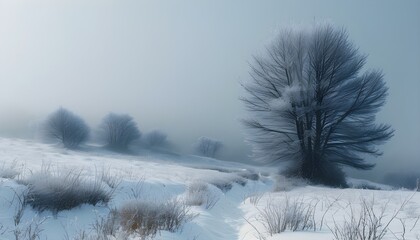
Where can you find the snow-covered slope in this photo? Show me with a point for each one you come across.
(243, 192)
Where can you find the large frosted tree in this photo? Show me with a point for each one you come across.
(311, 104)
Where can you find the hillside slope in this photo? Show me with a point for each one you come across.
(240, 194)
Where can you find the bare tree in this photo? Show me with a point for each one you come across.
(118, 131)
(310, 104)
(208, 147)
(67, 128)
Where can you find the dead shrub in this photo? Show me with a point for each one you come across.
(369, 222)
(64, 190)
(199, 194)
(147, 218)
(293, 215)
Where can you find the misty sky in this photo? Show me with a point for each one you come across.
(177, 65)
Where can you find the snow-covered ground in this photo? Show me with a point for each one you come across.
(241, 194)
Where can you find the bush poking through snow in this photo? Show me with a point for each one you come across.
(147, 218)
(63, 191)
(30, 229)
(136, 191)
(293, 215)
(176, 213)
(107, 226)
(370, 222)
(104, 228)
(195, 193)
(138, 219)
(255, 198)
(111, 180)
(199, 194)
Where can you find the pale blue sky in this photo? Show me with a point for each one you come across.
(176, 65)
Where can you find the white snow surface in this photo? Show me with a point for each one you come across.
(168, 175)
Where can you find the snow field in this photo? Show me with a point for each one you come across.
(225, 200)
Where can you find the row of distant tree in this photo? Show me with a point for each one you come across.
(116, 131)
(309, 100)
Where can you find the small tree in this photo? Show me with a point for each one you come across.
(311, 106)
(118, 131)
(65, 127)
(208, 147)
(155, 138)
